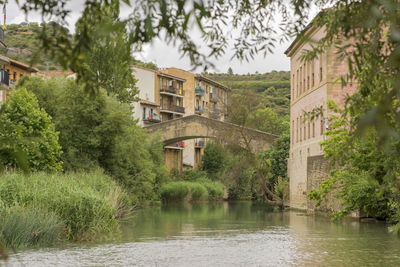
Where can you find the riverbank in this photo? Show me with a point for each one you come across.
(240, 233)
(42, 208)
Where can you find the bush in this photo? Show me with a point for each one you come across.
(179, 191)
(23, 226)
(26, 129)
(87, 203)
(191, 191)
(213, 159)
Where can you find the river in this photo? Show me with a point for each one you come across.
(227, 234)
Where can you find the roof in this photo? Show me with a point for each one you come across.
(307, 30)
(56, 73)
(22, 65)
(171, 76)
(144, 68)
(147, 102)
(202, 78)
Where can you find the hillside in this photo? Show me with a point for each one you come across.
(23, 45)
(273, 86)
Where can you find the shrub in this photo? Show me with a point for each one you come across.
(26, 129)
(179, 191)
(24, 226)
(88, 204)
(215, 189)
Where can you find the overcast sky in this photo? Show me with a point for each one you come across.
(167, 55)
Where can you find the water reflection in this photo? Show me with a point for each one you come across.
(229, 234)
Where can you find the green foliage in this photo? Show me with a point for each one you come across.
(202, 189)
(365, 176)
(23, 44)
(86, 203)
(25, 227)
(26, 128)
(100, 131)
(277, 156)
(213, 159)
(108, 56)
(249, 108)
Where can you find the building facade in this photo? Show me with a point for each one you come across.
(203, 97)
(10, 73)
(313, 83)
(147, 109)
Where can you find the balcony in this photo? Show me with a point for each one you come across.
(199, 91)
(172, 109)
(170, 90)
(214, 97)
(178, 145)
(199, 143)
(152, 118)
(179, 109)
(4, 78)
(199, 110)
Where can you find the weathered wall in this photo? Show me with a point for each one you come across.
(196, 126)
(318, 171)
(146, 79)
(188, 103)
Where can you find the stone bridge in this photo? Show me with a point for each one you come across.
(196, 126)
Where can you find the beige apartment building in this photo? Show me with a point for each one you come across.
(312, 84)
(161, 98)
(203, 97)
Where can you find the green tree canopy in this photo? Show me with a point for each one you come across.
(26, 131)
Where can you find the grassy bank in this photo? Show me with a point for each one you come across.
(43, 208)
(191, 191)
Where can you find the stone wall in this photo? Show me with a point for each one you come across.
(318, 171)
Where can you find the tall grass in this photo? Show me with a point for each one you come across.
(191, 191)
(21, 226)
(86, 203)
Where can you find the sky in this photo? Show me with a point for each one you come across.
(167, 55)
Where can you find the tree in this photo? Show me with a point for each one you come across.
(26, 128)
(230, 71)
(108, 55)
(213, 159)
(99, 131)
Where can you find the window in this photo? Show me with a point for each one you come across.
(144, 113)
(309, 129)
(300, 128)
(312, 80)
(308, 83)
(305, 132)
(322, 127)
(313, 129)
(297, 130)
(292, 87)
(14, 76)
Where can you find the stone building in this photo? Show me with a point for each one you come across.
(204, 97)
(10, 72)
(147, 109)
(161, 98)
(312, 84)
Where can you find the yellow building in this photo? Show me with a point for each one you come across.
(203, 97)
(10, 72)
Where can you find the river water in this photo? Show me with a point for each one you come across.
(228, 234)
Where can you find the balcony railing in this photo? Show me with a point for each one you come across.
(167, 107)
(152, 118)
(199, 109)
(199, 91)
(179, 109)
(171, 90)
(213, 97)
(177, 145)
